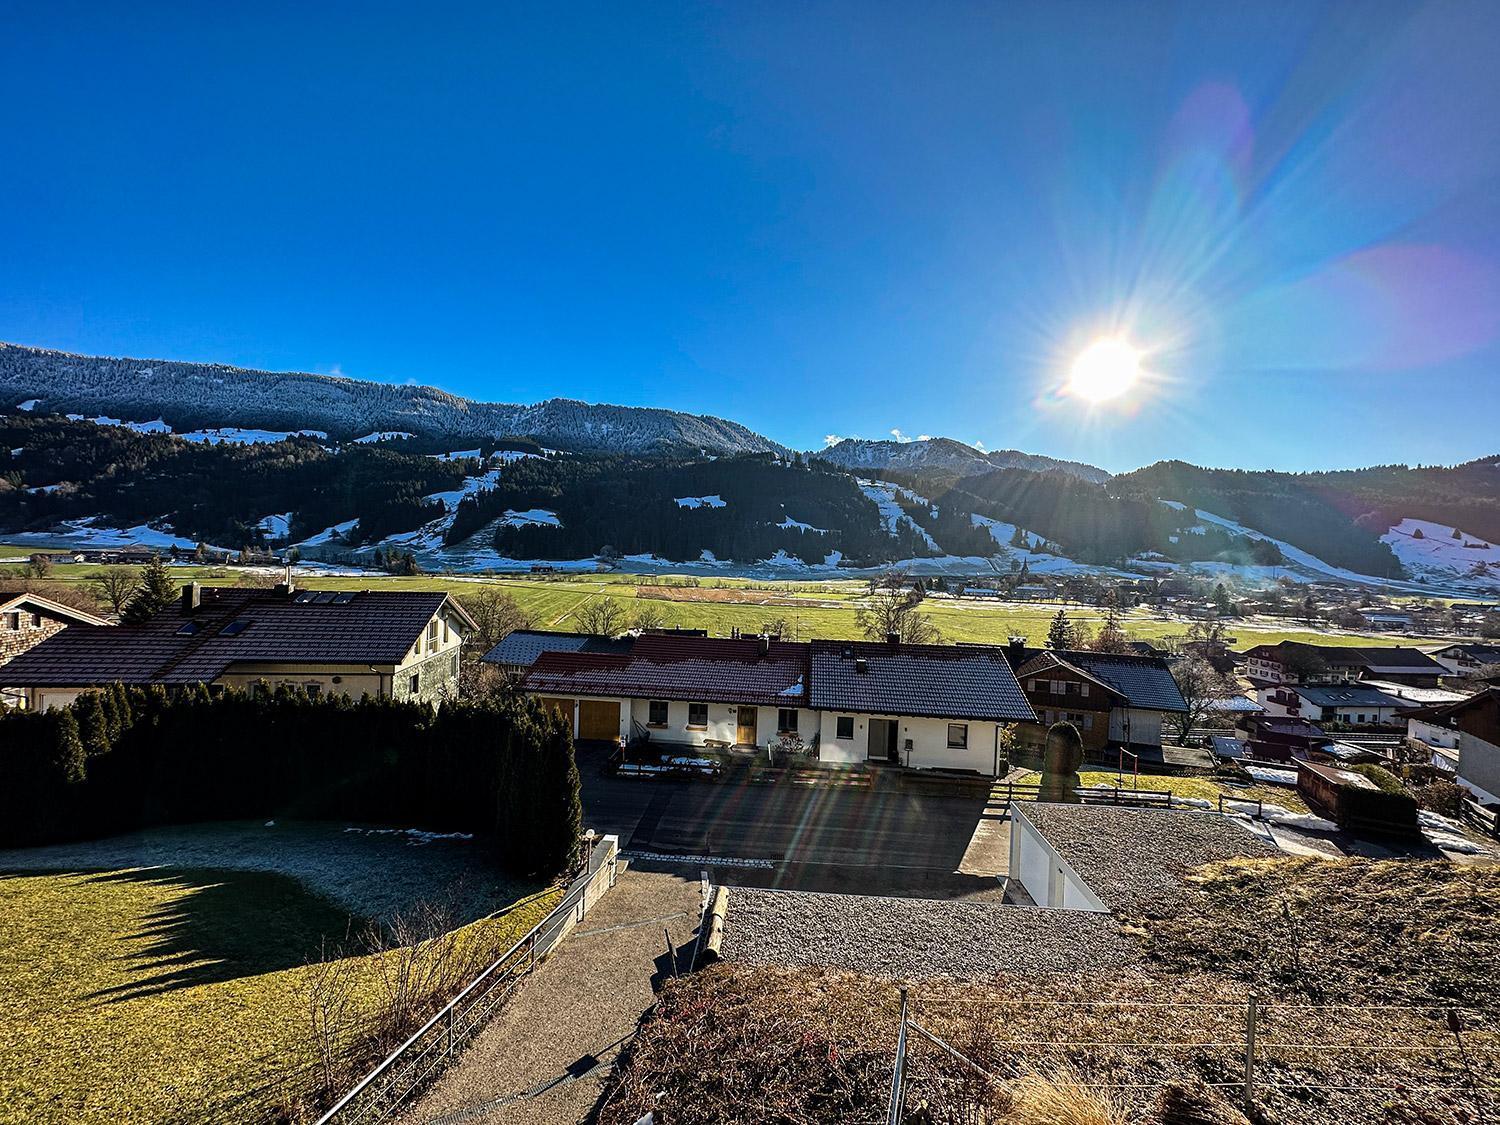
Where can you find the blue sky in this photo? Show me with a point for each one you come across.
(812, 218)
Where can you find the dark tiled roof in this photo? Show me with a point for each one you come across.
(368, 627)
(696, 669)
(1353, 695)
(1388, 658)
(936, 681)
(521, 648)
(1145, 681)
(1045, 661)
(1482, 654)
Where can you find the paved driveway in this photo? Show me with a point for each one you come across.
(879, 840)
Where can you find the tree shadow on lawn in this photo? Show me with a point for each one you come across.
(222, 925)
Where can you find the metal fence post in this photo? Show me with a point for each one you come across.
(450, 1031)
(1251, 1011)
(898, 1073)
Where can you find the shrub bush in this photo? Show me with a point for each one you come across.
(500, 767)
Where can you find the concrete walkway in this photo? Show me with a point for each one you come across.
(545, 1056)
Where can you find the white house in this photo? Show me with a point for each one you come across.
(1354, 704)
(846, 703)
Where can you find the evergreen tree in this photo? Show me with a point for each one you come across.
(93, 723)
(1222, 605)
(157, 591)
(1060, 634)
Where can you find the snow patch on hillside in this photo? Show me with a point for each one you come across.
(383, 435)
(884, 495)
(714, 501)
(277, 527)
(29, 405)
(331, 534)
(235, 435)
(1436, 554)
(532, 517)
(790, 524)
(88, 532)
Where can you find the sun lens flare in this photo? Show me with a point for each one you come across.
(1104, 370)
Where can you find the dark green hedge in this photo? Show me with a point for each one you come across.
(123, 759)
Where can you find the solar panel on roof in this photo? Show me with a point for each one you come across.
(343, 599)
(323, 597)
(305, 596)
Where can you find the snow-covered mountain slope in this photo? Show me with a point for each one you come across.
(1429, 564)
(195, 396)
(1441, 553)
(946, 455)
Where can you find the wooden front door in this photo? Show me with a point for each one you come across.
(598, 720)
(744, 727)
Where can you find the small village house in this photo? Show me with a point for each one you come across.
(26, 620)
(403, 644)
(1468, 735)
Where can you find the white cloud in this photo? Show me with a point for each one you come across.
(924, 437)
(899, 436)
(831, 439)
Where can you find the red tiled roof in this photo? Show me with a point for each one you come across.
(699, 669)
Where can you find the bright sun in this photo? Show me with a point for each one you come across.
(1104, 370)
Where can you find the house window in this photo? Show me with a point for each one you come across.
(786, 720)
(1083, 689)
(844, 728)
(656, 713)
(958, 736)
(697, 716)
(432, 632)
(1031, 685)
(413, 684)
(314, 690)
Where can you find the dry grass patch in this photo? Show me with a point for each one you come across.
(172, 994)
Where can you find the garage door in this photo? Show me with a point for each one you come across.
(598, 720)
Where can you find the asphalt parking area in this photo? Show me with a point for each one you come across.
(881, 840)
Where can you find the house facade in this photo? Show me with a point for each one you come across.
(1469, 732)
(400, 644)
(1294, 662)
(1467, 659)
(844, 703)
(1354, 704)
(26, 620)
(1115, 700)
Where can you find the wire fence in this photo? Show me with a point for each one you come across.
(407, 1070)
(958, 1059)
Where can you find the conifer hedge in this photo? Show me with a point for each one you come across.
(128, 758)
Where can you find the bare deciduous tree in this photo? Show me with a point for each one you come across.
(600, 615)
(1201, 686)
(648, 616)
(496, 615)
(116, 585)
(890, 610)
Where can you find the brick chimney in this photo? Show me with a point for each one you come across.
(893, 639)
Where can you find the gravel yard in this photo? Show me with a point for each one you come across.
(913, 938)
(1135, 859)
(371, 872)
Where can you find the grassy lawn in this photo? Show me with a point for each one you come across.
(1202, 788)
(165, 994)
(817, 609)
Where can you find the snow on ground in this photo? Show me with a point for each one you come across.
(89, 532)
(1438, 555)
(789, 524)
(456, 455)
(714, 501)
(884, 495)
(277, 526)
(329, 534)
(236, 435)
(383, 435)
(511, 456)
(833, 558)
(44, 488)
(532, 517)
(470, 486)
(29, 405)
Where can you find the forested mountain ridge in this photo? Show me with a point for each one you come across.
(190, 396)
(946, 455)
